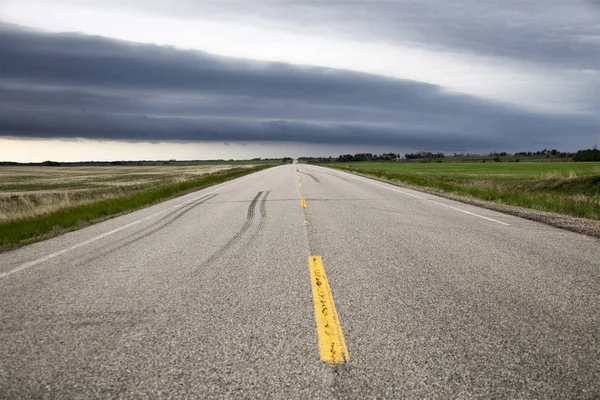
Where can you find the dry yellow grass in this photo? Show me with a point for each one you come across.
(32, 191)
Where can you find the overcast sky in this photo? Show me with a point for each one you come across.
(219, 79)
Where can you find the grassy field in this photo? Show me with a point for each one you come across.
(565, 188)
(40, 202)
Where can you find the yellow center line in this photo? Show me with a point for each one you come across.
(332, 346)
(303, 202)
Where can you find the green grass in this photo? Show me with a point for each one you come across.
(565, 188)
(15, 233)
(484, 170)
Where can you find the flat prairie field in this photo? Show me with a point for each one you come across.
(568, 188)
(40, 202)
(30, 191)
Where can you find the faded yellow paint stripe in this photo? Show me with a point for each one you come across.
(303, 202)
(332, 346)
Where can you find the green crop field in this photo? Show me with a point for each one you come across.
(566, 188)
(486, 170)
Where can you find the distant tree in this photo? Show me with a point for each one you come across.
(362, 157)
(587, 155)
(424, 155)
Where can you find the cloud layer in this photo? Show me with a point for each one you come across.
(76, 86)
(540, 54)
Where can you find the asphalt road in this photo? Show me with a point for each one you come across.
(210, 296)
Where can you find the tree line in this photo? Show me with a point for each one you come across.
(587, 155)
(581, 155)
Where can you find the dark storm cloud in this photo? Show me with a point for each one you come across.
(74, 86)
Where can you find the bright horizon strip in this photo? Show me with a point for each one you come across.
(78, 150)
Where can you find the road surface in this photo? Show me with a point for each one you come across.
(212, 295)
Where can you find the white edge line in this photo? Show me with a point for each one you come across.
(103, 235)
(470, 213)
(423, 198)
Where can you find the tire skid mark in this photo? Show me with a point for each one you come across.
(337, 176)
(249, 219)
(185, 208)
(175, 211)
(312, 176)
(263, 205)
(263, 217)
(146, 232)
